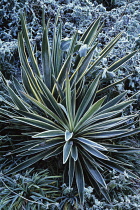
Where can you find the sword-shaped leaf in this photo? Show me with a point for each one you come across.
(7, 113)
(34, 116)
(65, 68)
(58, 88)
(73, 43)
(53, 152)
(103, 53)
(49, 133)
(118, 147)
(74, 152)
(87, 37)
(31, 85)
(94, 172)
(118, 63)
(90, 94)
(69, 103)
(37, 123)
(24, 148)
(113, 84)
(117, 107)
(111, 44)
(131, 132)
(71, 170)
(99, 117)
(28, 77)
(106, 134)
(17, 100)
(28, 162)
(91, 143)
(17, 86)
(119, 168)
(47, 110)
(46, 58)
(54, 142)
(90, 158)
(93, 109)
(56, 50)
(66, 151)
(105, 194)
(113, 101)
(52, 100)
(108, 123)
(84, 63)
(29, 48)
(93, 151)
(128, 150)
(22, 54)
(80, 180)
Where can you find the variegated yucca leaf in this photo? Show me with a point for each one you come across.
(80, 134)
(56, 60)
(62, 111)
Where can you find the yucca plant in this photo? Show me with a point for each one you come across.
(29, 191)
(68, 113)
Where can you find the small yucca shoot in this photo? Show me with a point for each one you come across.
(60, 102)
(37, 189)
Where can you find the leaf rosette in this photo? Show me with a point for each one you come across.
(68, 113)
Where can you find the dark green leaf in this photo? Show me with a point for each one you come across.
(71, 170)
(80, 180)
(46, 58)
(28, 162)
(74, 152)
(29, 48)
(94, 172)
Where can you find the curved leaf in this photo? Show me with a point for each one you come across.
(66, 151)
(90, 94)
(74, 153)
(118, 63)
(71, 170)
(106, 134)
(29, 48)
(94, 172)
(28, 162)
(94, 151)
(91, 143)
(68, 135)
(46, 58)
(18, 102)
(47, 110)
(93, 109)
(69, 103)
(49, 133)
(80, 180)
